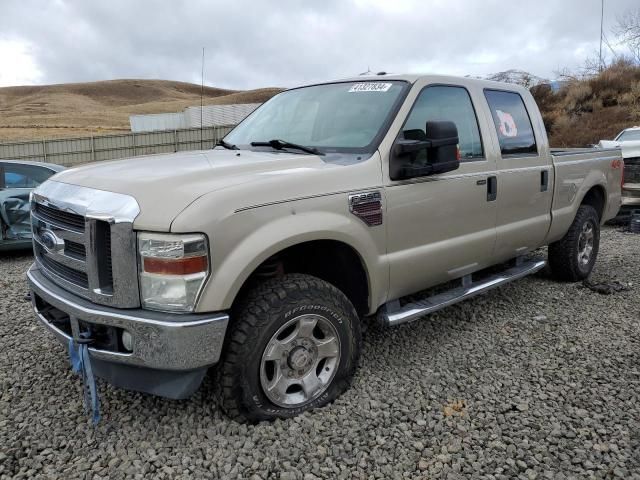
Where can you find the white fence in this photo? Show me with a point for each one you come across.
(75, 151)
(211, 115)
(158, 121)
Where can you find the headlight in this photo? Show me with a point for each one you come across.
(173, 269)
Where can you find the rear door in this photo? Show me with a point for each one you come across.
(525, 174)
(441, 227)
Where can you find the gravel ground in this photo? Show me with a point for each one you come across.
(535, 380)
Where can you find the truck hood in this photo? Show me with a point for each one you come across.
(164, 185)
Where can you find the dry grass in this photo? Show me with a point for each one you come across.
(581, 113)
(588, 110)
(77, 109)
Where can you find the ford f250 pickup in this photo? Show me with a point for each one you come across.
(330, 205)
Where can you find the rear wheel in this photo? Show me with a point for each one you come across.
(572, 258)
(294, 346)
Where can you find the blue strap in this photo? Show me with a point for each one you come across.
(95, 400)
(74, 357)
(81, 363)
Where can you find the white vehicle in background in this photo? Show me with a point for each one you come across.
(629, 142)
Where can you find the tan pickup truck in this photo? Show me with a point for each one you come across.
(331, 205)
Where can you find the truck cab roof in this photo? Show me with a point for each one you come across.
(429, 78)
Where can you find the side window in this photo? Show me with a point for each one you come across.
(512, 122)
(448, 103)
(24, 176)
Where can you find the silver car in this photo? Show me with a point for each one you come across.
(17, 179)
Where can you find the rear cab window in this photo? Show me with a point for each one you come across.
(512, 123)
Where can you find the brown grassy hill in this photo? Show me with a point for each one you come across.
(585, 111)
(77, 109)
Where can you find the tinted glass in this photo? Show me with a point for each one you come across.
(440, 103)
(629, 136)
(329, 117)
(24, 176)
(512, 122)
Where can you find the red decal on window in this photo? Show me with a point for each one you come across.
(507, 125)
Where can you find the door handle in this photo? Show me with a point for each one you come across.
(492, 188)
(544, 180)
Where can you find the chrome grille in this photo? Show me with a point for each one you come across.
(69, 274)
(75, 250)
(74, 233)
(60, 217)
(632, 170)
(108, 263)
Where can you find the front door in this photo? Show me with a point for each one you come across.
(441, 227)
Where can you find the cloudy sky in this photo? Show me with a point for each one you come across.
(260, 43)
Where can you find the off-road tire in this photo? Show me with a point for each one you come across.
(258, 317)
(563, 254)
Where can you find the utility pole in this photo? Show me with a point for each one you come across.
(201, 99)
(601, 32)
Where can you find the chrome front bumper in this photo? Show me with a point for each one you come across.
(161, 341)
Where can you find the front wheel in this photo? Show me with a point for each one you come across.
(294, 346)
(572, 258)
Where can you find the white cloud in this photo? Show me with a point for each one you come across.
(251, 44)
(19, 66)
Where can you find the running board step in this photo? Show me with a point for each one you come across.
(468, 289)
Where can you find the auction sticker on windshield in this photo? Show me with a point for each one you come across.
(370, 87)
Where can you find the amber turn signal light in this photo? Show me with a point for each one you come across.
(175, 266)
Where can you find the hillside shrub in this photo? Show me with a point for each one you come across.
(584, 111)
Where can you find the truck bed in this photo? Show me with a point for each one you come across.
(575, 168)
(582, 150)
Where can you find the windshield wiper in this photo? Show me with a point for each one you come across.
(228, 146)
(280, 144)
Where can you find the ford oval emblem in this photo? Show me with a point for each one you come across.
(50, 240)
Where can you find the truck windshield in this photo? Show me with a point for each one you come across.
(337, 117)
(629, 136)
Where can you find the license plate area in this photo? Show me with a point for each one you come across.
(104, 337)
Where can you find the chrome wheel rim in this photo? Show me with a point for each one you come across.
(585, 243)
(300, 361)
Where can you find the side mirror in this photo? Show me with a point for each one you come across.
(436, 152)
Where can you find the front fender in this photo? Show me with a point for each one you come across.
(288, 226)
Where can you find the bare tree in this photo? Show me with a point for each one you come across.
(565, 74)
(628, 32)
